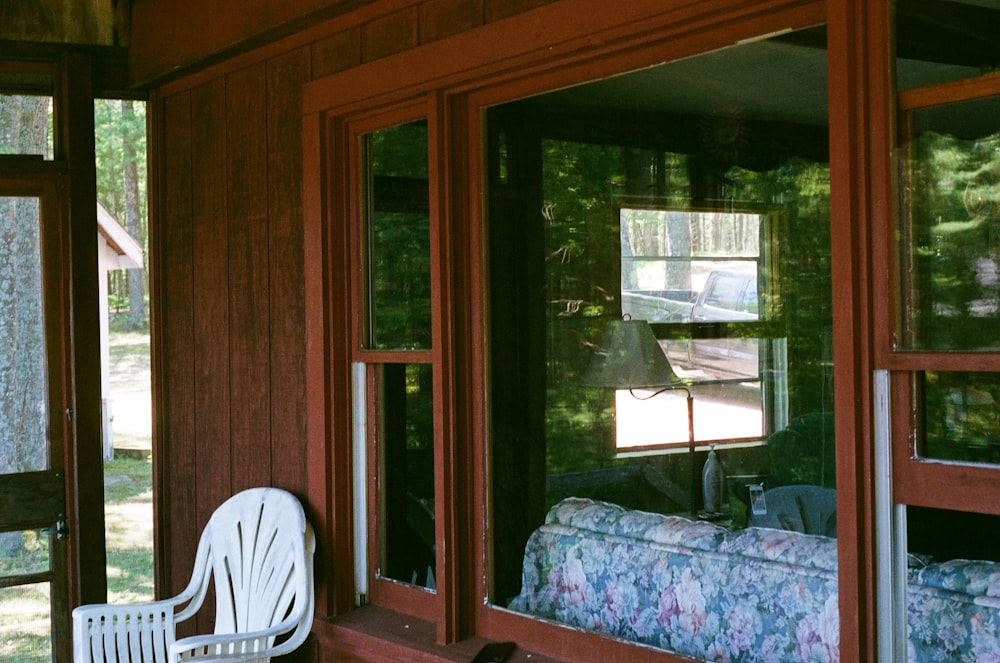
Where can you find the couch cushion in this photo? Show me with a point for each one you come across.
(975, 578)
(605, 518)
(795, 548)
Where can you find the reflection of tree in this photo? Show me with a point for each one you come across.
(399, 237)
(952, 195)
(23, 416)
(582, 244)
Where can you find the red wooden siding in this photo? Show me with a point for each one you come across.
(249, 310)
(210, 258)
(286, 74)
(174, 320)
(228, 242)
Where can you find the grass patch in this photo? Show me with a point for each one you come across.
(126, 479)
(128, 512)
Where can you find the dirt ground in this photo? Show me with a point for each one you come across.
(131, 404)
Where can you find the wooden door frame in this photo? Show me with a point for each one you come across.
(74, 113)
(77, 77)
(37, 500)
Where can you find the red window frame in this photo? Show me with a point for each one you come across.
(509, 60)
(920, 481)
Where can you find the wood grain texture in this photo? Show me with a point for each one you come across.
(285, 77)
(94, 22)
(173, 283)
(249, 277)
(210, 257)
(31, 499)
(442, 18)
(336, 53)
(390, 34)
(169, 35)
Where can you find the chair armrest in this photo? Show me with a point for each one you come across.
(233, 647)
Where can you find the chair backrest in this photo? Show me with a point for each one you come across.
(800, 508)
(260, 547)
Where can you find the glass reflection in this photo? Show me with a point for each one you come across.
(951, 227)
(648, 195)
(953, 562)
(962, 413)
(398, 239)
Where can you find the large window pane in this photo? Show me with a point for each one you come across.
(945, 40)
(948, 300)
(952, 567)
(713, 225)
(26, 440)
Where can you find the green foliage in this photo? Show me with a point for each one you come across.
(951, 227)
(119, 321)
(583, 255)
(399, 255)
(111, 129)
(120, 156)
(399, 151)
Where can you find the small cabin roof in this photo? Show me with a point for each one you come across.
(130, 254)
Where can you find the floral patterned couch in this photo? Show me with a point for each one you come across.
(751, 595)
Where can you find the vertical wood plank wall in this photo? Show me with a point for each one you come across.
(228, 260)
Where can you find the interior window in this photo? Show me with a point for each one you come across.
(951, 215)
(949, 227)
(696, 274)
(700, 214)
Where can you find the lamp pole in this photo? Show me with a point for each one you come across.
(694, 466)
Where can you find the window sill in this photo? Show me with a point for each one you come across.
(376, 634)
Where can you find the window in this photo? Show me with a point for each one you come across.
(940, 352)
(697, 274)
(681, 215)
(396, 337)
(540, 175)
(26, 125)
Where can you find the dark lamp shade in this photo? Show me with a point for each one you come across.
(629, 357)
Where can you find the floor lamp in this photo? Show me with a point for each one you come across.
(630, 357)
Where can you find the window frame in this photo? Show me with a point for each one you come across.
(401, 596)
(917, 480)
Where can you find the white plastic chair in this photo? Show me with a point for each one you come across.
(259, 547)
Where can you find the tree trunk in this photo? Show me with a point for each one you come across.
(133, 218)
(23, 392)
